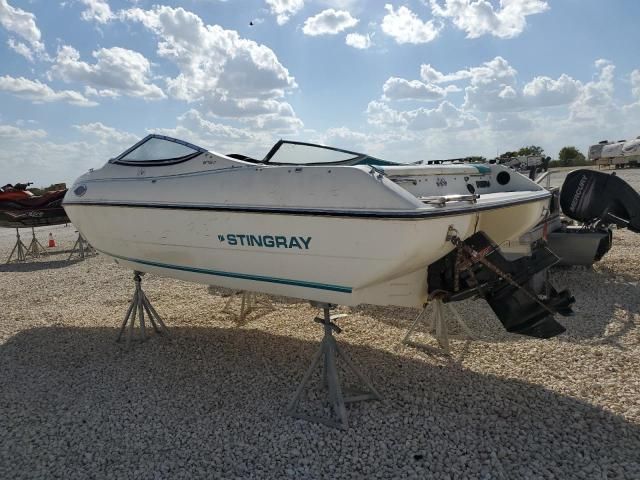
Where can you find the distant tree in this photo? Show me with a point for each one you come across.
(531, 151)
(570, 156)
(508, 155)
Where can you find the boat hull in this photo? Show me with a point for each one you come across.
(324, 258)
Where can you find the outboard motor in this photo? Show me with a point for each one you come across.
(476, 267)
(589, 196)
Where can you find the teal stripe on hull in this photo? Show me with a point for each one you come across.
(243, 276)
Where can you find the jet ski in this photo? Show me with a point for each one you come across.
(21, 208)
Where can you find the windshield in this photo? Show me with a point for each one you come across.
(156, 149)
(305, 154)
(301, 153)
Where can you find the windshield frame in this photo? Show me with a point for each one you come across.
(357, 157)
(168, 161)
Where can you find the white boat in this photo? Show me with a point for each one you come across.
(308, 221)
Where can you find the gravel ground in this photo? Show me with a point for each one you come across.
(210, 403)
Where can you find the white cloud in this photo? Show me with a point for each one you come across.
(381, 144)
(495, 71)
(44, 162)
(494, 88)
(228, 75)
(108, 135)
(546, 91)
(425, 119)
(97, 10)
(430, 74)
(39, 92)
(329, 22)
(400, 89)
(509, 121)
(192, 120)
(23, 24)
(284, 9)
(243, 108)
(21, 49)
(277, 124)
(15, 133)
(22, 122)
(479, 17)
(343, 137)
(357, 40)
(116, 71)
(382, 115)
(93, 92)
(500, 111)
(596, 98)
(635, 84)
(497, 108)
(384, 144)
(405, 26)
(193, 127)
(446, 115)
(342, 4)
(212, 59)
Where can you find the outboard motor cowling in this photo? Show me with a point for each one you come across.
(589, 196)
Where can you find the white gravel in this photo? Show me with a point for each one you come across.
(211, 402)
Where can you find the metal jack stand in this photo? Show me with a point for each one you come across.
(20, 249)
(327, 354)
(139, 304)
(35, 249)
(248, 303)
(438, 326)
(81, 248)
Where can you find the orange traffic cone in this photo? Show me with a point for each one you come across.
(52, 242)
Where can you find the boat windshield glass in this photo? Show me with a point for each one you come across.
(156, 149)
(305, 153)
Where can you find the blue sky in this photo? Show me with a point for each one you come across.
(80, 80)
